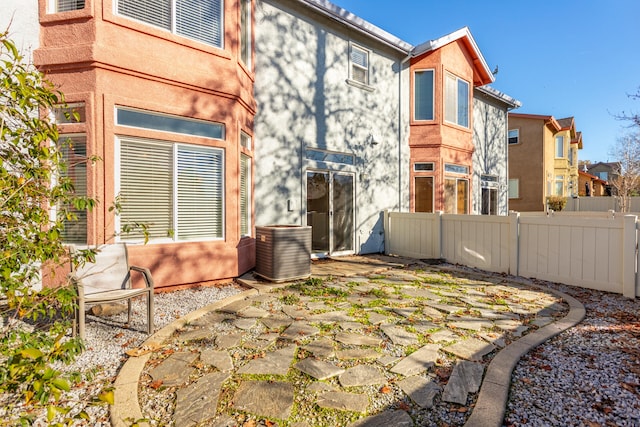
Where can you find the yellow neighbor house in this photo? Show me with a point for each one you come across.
(543, 160)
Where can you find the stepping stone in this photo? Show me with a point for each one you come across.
(244, 323)
(424, 326)
(469, 323)
(418, 361)
(360, 299)
(253, 313)
(496, 315)
(508, 324)
(466, 378)
(377, 318)
(444, 335)
(399, 335)
(432, 313)
(397, 418)
(296, 313)
(235, 306)
(275, 363)
(321, 348)
(276, 322)
(265, 398)
(194, 335)
(318, 369)
(493, 338)
(299, 330)
(343, 401)
(197, 403)
(361, 375)
(175, 369)
(331, 316)
(405, 312)
(357, 339)
(470, 349)
(388, 360)
(421, 390)
(219, 359)
(213, 318)
(316, 305)
(445, 307)
(541, 321)
(416, 292)
(261, 341)
(223, 420)
(228, 341)
(320, 387)
(351, 326)
(519, 331)
(357, 354)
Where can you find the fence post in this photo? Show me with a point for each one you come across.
(387, 231)
(514, 242)
(629, 246)
(438, 235)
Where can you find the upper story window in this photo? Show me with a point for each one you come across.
(514, 136)
(167, 123)
(423, 167)
(359, 64)
(67, 5)
(423, 95)
(197, 19)
(451, 168)
(456, 109)
(245, 32)
(559, 146)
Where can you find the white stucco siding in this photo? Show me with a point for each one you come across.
(490, 150)
(21, 18)
(304, 101)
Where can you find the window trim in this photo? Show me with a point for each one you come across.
(174, 237)
(355, 82)
(517, 137)
(457, 103)
(515, 181)
(557, 140)
(433, 97)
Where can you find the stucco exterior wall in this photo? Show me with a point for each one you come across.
(437, 140)
(491, 152)
(108, 61)
(305, 101)
(527, 164)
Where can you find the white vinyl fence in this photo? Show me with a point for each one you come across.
(599, 204)
(592, 251)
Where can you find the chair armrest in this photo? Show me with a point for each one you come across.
(146, 273)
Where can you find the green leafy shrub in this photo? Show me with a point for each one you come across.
(556, 203)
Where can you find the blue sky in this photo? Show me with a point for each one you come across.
(558, 57)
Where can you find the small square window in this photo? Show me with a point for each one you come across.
(514, 136)
(359, 60)
(245, 141)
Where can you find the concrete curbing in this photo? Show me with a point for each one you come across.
(126, 409)
(491, 404)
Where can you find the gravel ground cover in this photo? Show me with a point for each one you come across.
(586, 376)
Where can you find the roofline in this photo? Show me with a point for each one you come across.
(343, 16)
(548, 120)
(462, 33)
(500, 96)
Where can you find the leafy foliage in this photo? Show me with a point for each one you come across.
(556, 203)
(34, 322)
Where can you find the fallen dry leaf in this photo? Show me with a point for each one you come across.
(156, 384)
(385, 390)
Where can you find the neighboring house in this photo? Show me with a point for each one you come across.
(606, 171)
(297, 106)
(543, 160)
(590, 185)
(332, 125)
(166, 101)
(444, 73)
(490, 183)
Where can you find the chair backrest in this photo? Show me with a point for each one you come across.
(109, 271)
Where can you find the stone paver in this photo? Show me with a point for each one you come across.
(197, 403)
(346, 344)
(265, 398)
(343, 401)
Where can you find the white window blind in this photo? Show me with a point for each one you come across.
(66, 5)
(197, 19)
(199, 193)
(456, 108)
(146, 188)
(74, 155)
(176, 190)
(245, 196)
(154, 12)
(359, 65)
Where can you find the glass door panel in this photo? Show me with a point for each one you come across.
(343, 228)
(318, 210)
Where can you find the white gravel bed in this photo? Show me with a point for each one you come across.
(107, 341)
(588, 375)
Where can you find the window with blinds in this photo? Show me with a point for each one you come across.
(245, 195)
(175, 190)
(245, 32)
(359, 59)
(423, 95)
(456, 100)
(67, 5)
(197, 19)
(74, 155)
